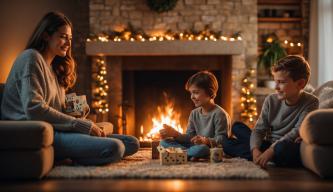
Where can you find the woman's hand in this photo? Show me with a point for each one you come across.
(168, 131)
(198, 139)
(96, 131)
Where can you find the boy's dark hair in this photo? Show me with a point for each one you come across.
(204, 80)
(296, 66)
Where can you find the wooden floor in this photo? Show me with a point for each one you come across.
(281, 179)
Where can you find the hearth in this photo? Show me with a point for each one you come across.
(140, 75)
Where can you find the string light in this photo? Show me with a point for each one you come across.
(100, 87)
(292, 44)
(248, 101)
(142, 37)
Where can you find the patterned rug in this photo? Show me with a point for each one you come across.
(141, 166)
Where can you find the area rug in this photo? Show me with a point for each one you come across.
(141, 166)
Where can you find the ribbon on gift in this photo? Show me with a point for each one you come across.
(169, 149)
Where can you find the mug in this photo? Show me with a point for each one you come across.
(76, 105)
(216, 155)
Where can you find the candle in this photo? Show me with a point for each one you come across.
(155, 153)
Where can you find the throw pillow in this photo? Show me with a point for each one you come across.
(326, 98)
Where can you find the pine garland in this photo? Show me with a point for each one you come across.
(161, 5)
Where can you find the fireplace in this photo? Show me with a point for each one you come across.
(141, 74)
(152, 93)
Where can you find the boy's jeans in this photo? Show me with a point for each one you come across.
(198, 151)
(286, 153)
(90, 150)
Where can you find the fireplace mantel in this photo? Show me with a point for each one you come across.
(227, 57)
(165, 48)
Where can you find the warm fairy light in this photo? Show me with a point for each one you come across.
(131, 36)
(247, 99)
(292, 44)
(100, 87)
(165, 115)
(269, 40)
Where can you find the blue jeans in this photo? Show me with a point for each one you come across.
(90, 150)
(286, 153)
(198, 151)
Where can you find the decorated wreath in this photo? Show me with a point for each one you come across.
(161, 5)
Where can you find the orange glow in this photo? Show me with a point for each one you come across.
(6, 64)
(165, 115)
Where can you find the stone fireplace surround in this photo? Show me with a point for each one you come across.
(224, 56)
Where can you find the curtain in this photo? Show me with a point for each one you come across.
(321, 41)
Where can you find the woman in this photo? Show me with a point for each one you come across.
(35, 90)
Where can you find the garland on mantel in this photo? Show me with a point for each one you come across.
(130, 34)
(161, 5)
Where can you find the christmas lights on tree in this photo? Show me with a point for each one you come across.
(100, 87)
(248, 101)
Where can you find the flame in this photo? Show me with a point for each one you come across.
(165, 115)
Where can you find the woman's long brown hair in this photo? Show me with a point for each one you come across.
(64, 67)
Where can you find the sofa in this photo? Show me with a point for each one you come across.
(317, 133)
(26, 150)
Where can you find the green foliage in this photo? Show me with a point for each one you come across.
(161, 5)
(272, 51)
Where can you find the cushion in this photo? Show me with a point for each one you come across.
(326, 98)
(317, 127)
(318, 91)
(318, 159)
(26, 164)
(25, 134)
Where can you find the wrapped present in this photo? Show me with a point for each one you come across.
(172, 156)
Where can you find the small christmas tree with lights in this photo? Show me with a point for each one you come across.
(248, 102)
(100, 87)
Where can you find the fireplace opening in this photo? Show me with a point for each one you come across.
(150, 94)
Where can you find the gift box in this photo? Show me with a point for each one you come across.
(172, 156)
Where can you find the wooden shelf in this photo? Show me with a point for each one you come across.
(279, 2)
(279, 19)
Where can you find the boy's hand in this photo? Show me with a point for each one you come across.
(198, 139)
(256, 154)
(265, 157)
(168, 131)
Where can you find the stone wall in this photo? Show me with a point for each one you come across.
(227, 16)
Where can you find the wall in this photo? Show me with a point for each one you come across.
(228, 16)
(294, 31)
(18, 19)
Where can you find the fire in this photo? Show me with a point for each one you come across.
(165, 115)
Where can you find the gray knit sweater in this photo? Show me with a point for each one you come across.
(279, 121)
(32, 92)
(212, 125)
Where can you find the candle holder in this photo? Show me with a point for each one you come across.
(145, 144)
(154, 151)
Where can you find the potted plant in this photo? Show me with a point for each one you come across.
(272, 51)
